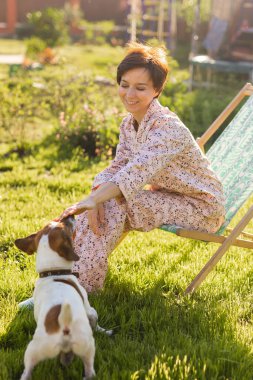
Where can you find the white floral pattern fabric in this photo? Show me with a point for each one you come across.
(182, 189)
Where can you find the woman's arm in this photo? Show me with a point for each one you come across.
(105, 192)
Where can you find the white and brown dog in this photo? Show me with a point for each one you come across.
(61, 307)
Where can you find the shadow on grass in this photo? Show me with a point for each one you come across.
(159, 323)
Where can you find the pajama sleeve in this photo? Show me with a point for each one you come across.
(166, 140)
(120, 160)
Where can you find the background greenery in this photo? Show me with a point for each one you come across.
(44, 166)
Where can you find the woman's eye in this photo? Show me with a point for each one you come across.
(123, 85)
(141, 89)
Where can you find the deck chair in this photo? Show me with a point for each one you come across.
(231, 157)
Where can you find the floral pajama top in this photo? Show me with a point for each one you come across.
(163, 154)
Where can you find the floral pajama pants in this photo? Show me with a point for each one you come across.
(148, 210)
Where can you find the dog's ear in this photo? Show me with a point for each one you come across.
(27, 244)
(61, 243)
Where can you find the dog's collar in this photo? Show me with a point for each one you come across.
(58, 272)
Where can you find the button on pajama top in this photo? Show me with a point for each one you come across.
(182, 189)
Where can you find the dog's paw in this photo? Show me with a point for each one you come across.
(109, 332)
(104, 331)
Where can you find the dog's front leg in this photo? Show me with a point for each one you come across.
(93, 318)
(90, 311)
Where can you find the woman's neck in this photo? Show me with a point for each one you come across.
(138, 118)
(136, 125)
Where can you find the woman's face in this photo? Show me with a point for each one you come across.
(136, 91)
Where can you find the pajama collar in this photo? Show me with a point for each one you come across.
(153, 108)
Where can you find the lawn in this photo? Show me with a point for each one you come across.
(99, 60)
(159, 332)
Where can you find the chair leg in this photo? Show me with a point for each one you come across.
(220, 252)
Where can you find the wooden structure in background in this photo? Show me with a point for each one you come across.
(153, 19)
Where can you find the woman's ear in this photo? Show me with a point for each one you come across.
(28, 244)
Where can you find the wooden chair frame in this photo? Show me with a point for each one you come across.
(232, 239)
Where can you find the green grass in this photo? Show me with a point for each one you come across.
(9, 46)
(160, 333)
(99, 60)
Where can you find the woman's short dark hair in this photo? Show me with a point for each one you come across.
(151, 58)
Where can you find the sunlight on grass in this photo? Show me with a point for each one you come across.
(9, 46)
(159, 332)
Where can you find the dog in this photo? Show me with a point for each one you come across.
(61, 308)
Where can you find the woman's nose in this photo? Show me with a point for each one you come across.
(131, 92)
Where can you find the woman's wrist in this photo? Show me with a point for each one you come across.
(106, 191)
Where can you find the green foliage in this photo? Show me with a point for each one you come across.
(18, 107)
(49, 25)
(198, 108)
(186, 10)
(88, 115)
(97, 33)
(90, 127)
(34, 46)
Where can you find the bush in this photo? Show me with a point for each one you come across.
(88, 119)
(86, 115)
(97, 33)
(34, 46)
(49, 25)
(18, 107)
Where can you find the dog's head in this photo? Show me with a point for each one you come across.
(59, 239)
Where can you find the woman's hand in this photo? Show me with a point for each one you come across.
(94, 202)
(77, 208)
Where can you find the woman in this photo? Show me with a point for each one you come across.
(155, 149)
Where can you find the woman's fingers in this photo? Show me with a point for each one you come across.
(78, 208)
(96, 214)
(101, 213)
(69, 211)
(93, 221)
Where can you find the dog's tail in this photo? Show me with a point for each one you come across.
(65, 318)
